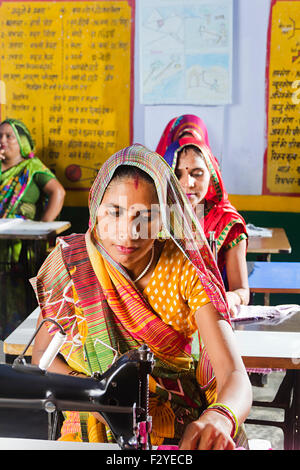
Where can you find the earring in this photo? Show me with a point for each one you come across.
(162, 235)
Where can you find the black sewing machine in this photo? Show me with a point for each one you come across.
(120, 394)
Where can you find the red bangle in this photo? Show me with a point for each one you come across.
(225, 411)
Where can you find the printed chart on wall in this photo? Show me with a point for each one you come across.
(282, 156)
(66, 70)
(185, 51)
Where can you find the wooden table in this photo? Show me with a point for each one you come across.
(266, 246)
(276, 345)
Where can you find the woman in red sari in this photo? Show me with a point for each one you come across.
(184, 145)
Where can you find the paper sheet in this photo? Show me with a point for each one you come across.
(257, 312)
(254, 231)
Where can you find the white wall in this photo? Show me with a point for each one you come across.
(237, 131)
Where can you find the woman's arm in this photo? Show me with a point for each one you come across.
(56, 196)
(237, 276)
(212, 430)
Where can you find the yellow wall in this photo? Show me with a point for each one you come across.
(265, 203)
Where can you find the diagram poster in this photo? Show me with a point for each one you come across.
(185, 51)
(282, 156)
(67, 70)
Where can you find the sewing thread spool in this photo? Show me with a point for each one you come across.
(52, 350)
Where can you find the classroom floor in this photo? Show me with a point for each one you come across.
(33, 424)
(267, 393)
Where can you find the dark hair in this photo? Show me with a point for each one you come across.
(129, 171)
(190, 147)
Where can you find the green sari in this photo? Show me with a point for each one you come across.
(14, 184)
(15, 202)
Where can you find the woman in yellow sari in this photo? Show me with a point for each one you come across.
(143, 273)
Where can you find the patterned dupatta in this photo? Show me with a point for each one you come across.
(116, 301)
(179, 220)
(181, 225)
(177, 126)
(136, 321)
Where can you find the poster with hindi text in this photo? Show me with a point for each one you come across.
(66, 70)
(282, 155)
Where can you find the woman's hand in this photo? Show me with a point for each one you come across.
(2, 156)
(210, 432)
(96, 415)
(237, 276)
(233, 301)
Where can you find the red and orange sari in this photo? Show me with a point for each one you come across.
(220, 216)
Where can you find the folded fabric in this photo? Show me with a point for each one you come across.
(254, 231)
(259, 312)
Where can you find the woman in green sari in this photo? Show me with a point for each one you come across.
(24, 179)
(28, 190)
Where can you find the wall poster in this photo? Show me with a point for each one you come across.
(282, 156)
(67, 71)
(186, 51)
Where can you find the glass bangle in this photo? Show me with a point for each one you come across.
(229, 413)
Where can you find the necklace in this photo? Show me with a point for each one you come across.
(146, 268)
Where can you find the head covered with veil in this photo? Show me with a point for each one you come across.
(179, 126)
(23, 137)
(178, 219)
